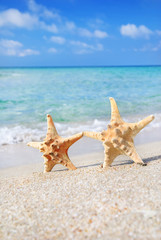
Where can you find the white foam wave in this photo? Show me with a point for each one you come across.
(18, 134)
(24, 134)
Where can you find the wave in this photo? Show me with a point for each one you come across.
(24, 134)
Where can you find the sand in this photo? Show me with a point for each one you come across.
(123, 202)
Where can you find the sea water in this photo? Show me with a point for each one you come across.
(76, 97)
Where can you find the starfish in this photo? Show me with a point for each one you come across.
(118, 138)
(55, 148)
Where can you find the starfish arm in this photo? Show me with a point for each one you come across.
(95, 135)
(51, 132)
(130, 151)
(137, 127)
(35, 144)
(48, 165)
(67, 162)
(70, 140)
(107, 160)
(110, 155)
(115, 115)
(71, 166)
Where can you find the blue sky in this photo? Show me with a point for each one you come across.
(80, 33)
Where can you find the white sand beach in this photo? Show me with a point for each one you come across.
(88, 203)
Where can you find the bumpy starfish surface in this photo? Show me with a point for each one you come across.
(118, 138)
(55, 148)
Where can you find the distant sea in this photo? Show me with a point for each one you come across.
(76, 97)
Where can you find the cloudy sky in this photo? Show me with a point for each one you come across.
(80, 32)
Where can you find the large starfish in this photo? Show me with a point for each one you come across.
(118, 138)
(55, 148)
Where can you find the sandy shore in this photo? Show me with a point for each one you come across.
(89, 203)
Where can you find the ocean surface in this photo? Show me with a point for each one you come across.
(77, 98)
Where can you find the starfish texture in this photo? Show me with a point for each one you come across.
(55, 148)
(118, 138)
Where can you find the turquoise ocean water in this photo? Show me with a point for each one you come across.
(77, 99)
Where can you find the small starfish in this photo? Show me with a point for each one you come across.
(55, 148)
(118, 138)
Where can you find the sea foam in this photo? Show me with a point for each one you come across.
(24, 134)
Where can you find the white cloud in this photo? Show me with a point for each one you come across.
(131, 30)
(84, 48)
(50, 28)
(149, 47)
(97, 33)
(13, 17)
(42, 10)
(59, 40)
(142, 49)
(96, 23)
(14, 48)
(10, 43)
(9, 47)
(158, 32)
(70, 26)
(84, 32)
(80, 44)
(100, 34)
(27, 52)
(157, 47)
(33, 6)
(40, 17)
(52, 50)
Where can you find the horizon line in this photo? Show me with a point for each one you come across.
(83, 66)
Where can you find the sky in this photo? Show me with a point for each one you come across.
(80, 32)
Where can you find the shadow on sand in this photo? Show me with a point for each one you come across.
(145, 160)
(120, 163)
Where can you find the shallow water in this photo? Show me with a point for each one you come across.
(77, 99)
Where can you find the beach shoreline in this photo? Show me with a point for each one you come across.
(86, 151)
(20, 154)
